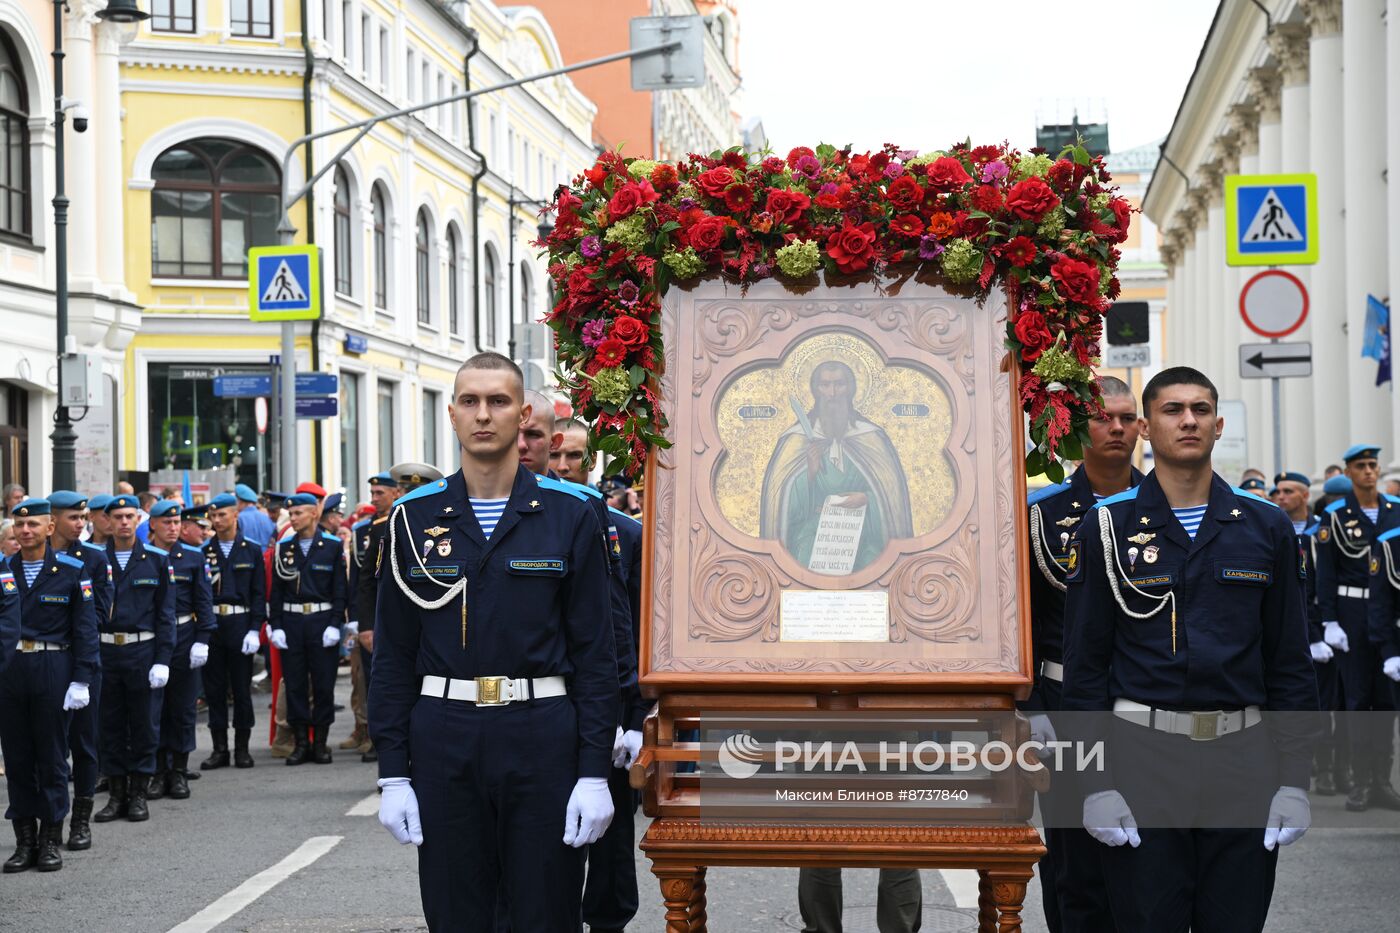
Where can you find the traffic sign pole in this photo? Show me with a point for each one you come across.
(287, 422)
(1277, 390)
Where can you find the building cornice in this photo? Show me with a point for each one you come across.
(1324, 17)
(1263, 86)
(1289, 45)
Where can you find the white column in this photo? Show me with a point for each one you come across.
(1290, 48)
(1217, 325)
(1364, 186)
(107, 134)
(1201, 281)
(80, 152)
(1171, 258)
(1187, 310)
(1264, 87)
(1244, 120)
(1391, 76)
(1327, 290)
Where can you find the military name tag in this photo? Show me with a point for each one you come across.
(53, 598)
(1242, 575)
(449, 571)
(536, 565)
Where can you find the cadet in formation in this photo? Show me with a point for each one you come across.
(494, 696)
(47, 607)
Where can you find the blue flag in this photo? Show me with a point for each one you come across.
(185, 490)
(1376, 340)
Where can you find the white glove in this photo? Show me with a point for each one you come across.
(352, 628)
(398, 810)
(1108, 819)
(159, 676)
(278, 638)
(1289, 817)
(1321, 651)
(1332, 634)
(199, 655)
(76, 697)
(625, 751)
(251, 643)
(589, 812)
(330, 637)
(1042, 730)
(618, 748)
(1391, 668)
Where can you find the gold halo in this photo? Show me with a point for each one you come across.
(833, 347)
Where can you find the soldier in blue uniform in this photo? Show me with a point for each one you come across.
(494, 696)
(1072, 886)
(69, 519)
(240, 608)
(176, 530)
(56, 661)
(1349, 525)
(137, 641)
(1385, 613)
(306, 609)
(1186, 641)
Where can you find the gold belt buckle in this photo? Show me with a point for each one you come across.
(119, 638)
(1205, 725)
(26, 644)
(488, 691)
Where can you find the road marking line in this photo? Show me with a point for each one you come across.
(367, 807)
(258, 885)
(962, 884)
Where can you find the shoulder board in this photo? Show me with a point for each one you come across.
(1386, 536)
(67, 560)
(1249, 495)
(330, 537)
(422, 492)
(629, 518)
(1126, 495)
(1339, 504)
(586, 490)
(155, 550)
(379, 521)
(1311, 529)
(1045, 492)
(360, 524)
(1390, 498)
(572, 489)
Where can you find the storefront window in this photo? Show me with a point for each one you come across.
(190, 428)
(350, 474)
(386, 424)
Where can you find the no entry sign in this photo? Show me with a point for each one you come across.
(1274, 303)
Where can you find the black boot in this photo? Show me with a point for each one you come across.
(136, 809)
(302, 751)
(218, 758)
(319, 752)
(79, 832)
(241, 758)
(50, 839)
(177, 785)
(155, 787)
(26, 847)
(116, 802)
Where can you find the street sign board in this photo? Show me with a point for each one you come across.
(1126, 323)
(1274, 303)
(255, 385)
(1134, 357)
(317, 384)
(284, 283)
(682, 67)
(1275, 360)
(317, 407)
(1271, 220)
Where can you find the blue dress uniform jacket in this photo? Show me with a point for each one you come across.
(1227, 627)
(1344, 539)
(315, 578)
(9, 617)
(82, 729)
(194, 601)
(60, 608)
(143, 597)
(629, 548)
(99, 572)
(1384, 605)
(237, 580)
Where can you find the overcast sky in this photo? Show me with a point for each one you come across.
(926, 73)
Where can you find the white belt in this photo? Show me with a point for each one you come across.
(28, 646)
(1200, 726)
(305, 609)
(229, 609)
(493, 691)
(1355, 592)
(124, 638)
(1053, 670)
(182, 620)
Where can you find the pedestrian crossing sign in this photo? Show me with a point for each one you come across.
(284, 283)
(1271, 220)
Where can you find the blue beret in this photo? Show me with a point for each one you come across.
(333, 502)
(99, 502)
(382, 479)
(195, 513)
(1253, 482)
(300, 498)
(67, 499)
(165, 508)
(1337, 486)
(244, 493)
(224, 500)
(122, 502)
(32, 507)
(1357, 451)
(1292, 477)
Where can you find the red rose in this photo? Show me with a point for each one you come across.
(715, 181)
(986, 199)
(1122, 216)
(787, 206)
(1078, 281)
(610, 353)
(628, 198)
(739, 198)
(1061, 174)
(947, 173)
(628, 331)
(797, 154)
(1031, 199)
(908, 225)
(1031, 331)
(852, 248)
(596, 175)
(706, 234)
(905, 194)
(1019, 251)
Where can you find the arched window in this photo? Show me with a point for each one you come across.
(344, 249)
(381, 248)
(488, 287)
(213, 200)
(454, 284)
(14, 143)
(423, 267)
(526, 299)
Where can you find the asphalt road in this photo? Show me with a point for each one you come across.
(276, 849)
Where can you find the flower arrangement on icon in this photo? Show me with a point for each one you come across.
(978, 216)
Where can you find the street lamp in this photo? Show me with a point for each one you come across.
(545, 228)
(64, 438)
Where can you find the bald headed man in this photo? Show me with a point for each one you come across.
(571, 459)
(538, 435)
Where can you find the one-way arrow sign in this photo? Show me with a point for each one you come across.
(1275, 360)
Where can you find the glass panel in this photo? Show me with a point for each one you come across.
(342, 190)
(431, 403)
(489, 288)
(386, 424)
(249, 168)
(193, 429)
(181, 165)
(453, 299)
(182, 238)
(350, 435)
(246, 220)
(11, 90)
